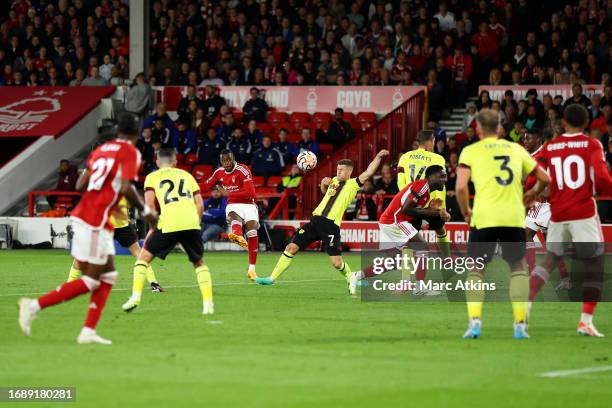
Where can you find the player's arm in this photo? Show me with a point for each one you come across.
(197, 196)
(129, 192)
(369, 172)
(83, 181)
(410, 208)
(325, 184)
(542, 181)
(401, 177)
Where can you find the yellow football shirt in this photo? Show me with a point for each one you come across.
(412, 166)
(498, 168)
(122, 205)
(337, 198)
(174, 189)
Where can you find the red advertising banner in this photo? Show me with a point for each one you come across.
(497, 92)
(378, 99)
(46, 110)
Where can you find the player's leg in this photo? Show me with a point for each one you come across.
(150, 274)
(75, 271)
(283, 263)
(530, 254)
(253, 245)
(128, 238)
(513, 250)
(236, 234)
(193, 245)
(418, 248)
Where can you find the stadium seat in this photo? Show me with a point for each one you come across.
(287, 125)
(258, 181)
(179, 158)
(348, 116)
(322, 125)
(185, 167)
(277, 117)
(294, 138)
(266, 128)
(191, 159)
(300, 117)
(201, 172)
(322, 117)
(366, 117)
(326, 148)
(274, 181)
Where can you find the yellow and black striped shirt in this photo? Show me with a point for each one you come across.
(337, 198)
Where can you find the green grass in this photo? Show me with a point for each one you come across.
(301, 343)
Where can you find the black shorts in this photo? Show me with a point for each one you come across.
(483, 241)
(435, 223)
(126, 236)
(160, 244)
(320, 228)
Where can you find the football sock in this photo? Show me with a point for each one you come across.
(237, 228)
(421, 268)
(588, 308)
(253, 241)
(444, 244)
(538, 278)
(530, 256)
(281, 266)
(74, 274)
(99, 298)
(519, 291)
(344, 269)
(68, 291)
(140, 276)
(475, 298)
(204, 282)
(151, 275)
(562, 268)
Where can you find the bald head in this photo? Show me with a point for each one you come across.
(488, 122)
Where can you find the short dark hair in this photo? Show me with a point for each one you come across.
(576, 115)
(339, 110)
(127, 124)
(166, 154)
(346, 162)
(433, 169)
(225, 151)
(424, 136)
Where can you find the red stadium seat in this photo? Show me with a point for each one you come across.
(258, 181)
(322, 117)
(287, 125)
(180, 158)
(326, 148)
(191, 159)
(185, 167)
(366, 117)
(322, 125)
(266, 128)
(201, 172)
(274, 181)
(300, 117)
(277, 117)
(348, 116)
(294, 138)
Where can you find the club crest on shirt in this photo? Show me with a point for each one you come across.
(332, 190)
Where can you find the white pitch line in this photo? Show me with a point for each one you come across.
(577, 371)
(185, 286)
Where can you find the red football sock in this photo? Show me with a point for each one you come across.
(562, 268)
(67, 291)
(588, 307)
(421, 269)
(253, 241)
(98, 299)
(537, 279)
(237, 228)
(530, 257)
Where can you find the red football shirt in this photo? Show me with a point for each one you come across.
(531, 178)
(417, 192)
(238, 183)
(108, 165)
(578, 170)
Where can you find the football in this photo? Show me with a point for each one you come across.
(307, 160)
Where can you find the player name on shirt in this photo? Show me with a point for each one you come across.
(567, 145)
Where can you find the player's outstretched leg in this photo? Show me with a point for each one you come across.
(151, 278)
(96, 306)
(344, 269)
(281, 265)
(253, 245)
(519, 290)
(140, 276)
(205, 284)
(475, 299)
(236, 234)
(75, 271)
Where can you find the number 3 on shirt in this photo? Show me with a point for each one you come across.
(504, 167)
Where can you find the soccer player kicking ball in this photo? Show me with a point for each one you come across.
(111, 169)
(397, 222)
(497, 168)
(181, 206)
(577, 166)
(236, 182)
(327, 217)
(126, 235)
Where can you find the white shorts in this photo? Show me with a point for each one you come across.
(587, 232)
(395, 235)
(538, 217)
(248, 212)
(91, 245)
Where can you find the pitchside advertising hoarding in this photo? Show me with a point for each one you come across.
(496, 93)
(380, 100)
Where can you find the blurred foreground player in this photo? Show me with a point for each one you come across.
(111, 168)
(178, 196)
(578, 169)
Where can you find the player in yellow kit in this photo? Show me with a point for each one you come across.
(126, 235)
(411, 167)
(178, 196)
(497, 168)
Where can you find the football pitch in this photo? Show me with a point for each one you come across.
(301, 343)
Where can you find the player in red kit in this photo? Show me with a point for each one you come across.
(111, 168)
(236, 182)
(537, 220)
(577, 169)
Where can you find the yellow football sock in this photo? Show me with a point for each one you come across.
(407, 253)
(345, 269)
(519, 292)
(74, 274)
(281, 266)
(140, 275)
(204, 281)
(151, 275)
(475, 298)
(444, 244)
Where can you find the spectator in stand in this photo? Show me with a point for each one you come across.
(532, 100)
(460, 65)
(240, 145)
(595, 110)
(94, 78)
(254, 135)
(386, 184)
(167, 65)
(140, 97)
(200, 124)
(577, 97)
(469, 117)
(292, 181)
(600, 122)
(161, 114)
(228, 125)
(184, 139)
(188, 116)
(213, 103)
(439, 133)
(256, 107)
(451, 173)
(339, 131)
(267, 161)
(192, 95)
(79, 77)
(446, 19)
(209, 147)
(286, 149)
(484, 100)
(517, 132)
(66, 181)
(165, 136)
(532, 121)
(147, 150)
(214, 218)
(307, 143)
(509, 100)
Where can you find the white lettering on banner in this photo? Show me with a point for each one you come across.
(352, 235)
(11, 128)
(354, 99)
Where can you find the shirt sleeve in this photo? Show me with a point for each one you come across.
(193, 185)
(149, 183)
(528, 162)
(401, 172)
(211, 181)
(603, 181)
(465, 159)
(417, 189)
(130, 162)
